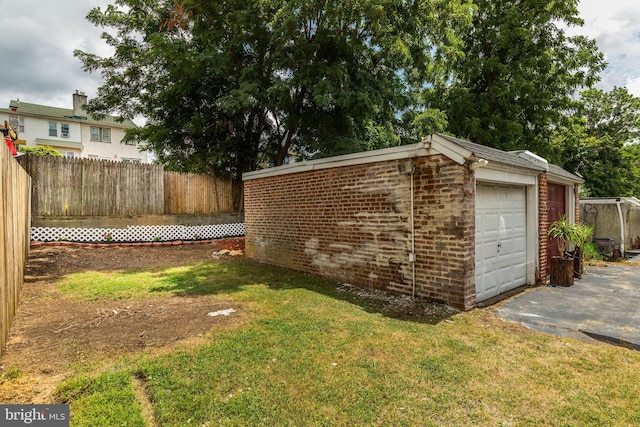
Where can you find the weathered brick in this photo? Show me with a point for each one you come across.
(353, 224)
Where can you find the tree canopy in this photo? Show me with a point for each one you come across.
(600, 142)
(518, 75)
(230, 85)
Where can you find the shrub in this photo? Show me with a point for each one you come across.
(42, 150)
(591, 252)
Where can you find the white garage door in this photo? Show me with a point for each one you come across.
(501, 239)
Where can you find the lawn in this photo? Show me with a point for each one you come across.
(307, 354)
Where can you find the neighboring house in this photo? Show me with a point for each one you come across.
(446, 219)
(616, 222)
(72, 131)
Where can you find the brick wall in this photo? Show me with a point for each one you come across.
(543, 227)
(576, 191)
(445, 230)
(353, 224)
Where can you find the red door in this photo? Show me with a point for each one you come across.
(557, 207)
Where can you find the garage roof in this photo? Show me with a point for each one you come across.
(493, 154)
(458, 149)
(521, 158)
(557, 170)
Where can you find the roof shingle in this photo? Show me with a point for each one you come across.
(66, 114)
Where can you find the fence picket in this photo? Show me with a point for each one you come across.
(15, 189)
(85, 187)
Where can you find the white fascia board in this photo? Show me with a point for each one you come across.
(453, 151)
(558, 179)
(386, 154)
(506, 176)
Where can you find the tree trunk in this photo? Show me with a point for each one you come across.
(237, 195)
(561, 271)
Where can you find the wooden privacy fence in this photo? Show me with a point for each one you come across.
(14, 237)
(85, 187)
(82, 187)
(187, 193)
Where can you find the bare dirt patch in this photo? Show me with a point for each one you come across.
(403, 306)
(53, 333)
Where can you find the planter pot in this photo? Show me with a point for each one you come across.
(561, 271)
(578, 265)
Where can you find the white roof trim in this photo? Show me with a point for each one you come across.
(610, 200)
(559, 179)
(430, 145)
(506, 176)
(454, 152)
(383, 155)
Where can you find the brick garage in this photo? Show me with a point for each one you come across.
(353, 218)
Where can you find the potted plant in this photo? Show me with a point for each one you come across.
(567, 235)
(583, 233)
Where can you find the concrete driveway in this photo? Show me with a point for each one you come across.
(603, 305)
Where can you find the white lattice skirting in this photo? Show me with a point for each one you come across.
(137, 233)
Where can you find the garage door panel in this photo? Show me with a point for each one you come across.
(513, 248)
(501, 243)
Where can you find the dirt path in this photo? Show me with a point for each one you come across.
(52, 334)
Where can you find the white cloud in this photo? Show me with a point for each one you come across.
(633, 85)
(615, 24)
(37, 46)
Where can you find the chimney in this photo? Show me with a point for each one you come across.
(14, 118)
(79, 101)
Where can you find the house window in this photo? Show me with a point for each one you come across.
(53, 129)
(64, 130)
(100, 134)
(131, 160)
(93, 156)
(21, 124)
(69, 154)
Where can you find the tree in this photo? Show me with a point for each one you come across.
(228, 86)
(518, 74)
(631, 158)
(614, 114)
(600, 142)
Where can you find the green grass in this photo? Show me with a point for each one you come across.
(10, 374)
(106, 400)
(312, 357)
(197, 279)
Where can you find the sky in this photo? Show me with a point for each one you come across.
(39, 37)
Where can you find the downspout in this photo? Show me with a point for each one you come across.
(621, 218)
(412, 256)
(407, 167)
